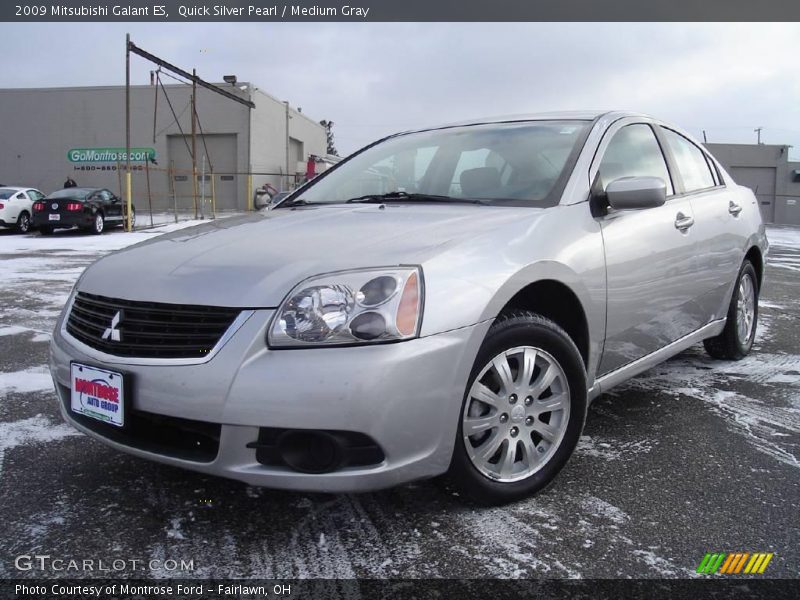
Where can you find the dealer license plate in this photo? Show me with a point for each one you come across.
(55, 217)
(98, 394)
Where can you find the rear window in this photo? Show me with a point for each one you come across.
(71, 193)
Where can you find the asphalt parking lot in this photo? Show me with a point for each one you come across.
(691, 457)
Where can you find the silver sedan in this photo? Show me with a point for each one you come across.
(443, 301)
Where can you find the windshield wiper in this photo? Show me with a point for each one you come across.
(296, 202)
(402, 196)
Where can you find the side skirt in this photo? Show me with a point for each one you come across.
(609, 380)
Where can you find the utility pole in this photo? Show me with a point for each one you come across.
(194, 140)
(286, 103)
(128, 189)
(758, 132)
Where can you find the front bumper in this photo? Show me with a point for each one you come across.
(406, 396)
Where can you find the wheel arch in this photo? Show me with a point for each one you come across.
(757, 259)
(558, 302)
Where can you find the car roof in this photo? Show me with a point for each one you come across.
(566, 115)
(16, 188)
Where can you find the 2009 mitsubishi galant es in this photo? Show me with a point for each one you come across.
(446, 300)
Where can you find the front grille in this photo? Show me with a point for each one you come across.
(147, 329)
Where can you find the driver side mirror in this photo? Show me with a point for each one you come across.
(636, 193)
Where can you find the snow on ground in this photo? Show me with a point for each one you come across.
(784, 250)
(35, 430)
(786, 237)
(34, 379)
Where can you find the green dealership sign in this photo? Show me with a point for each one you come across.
(105, 155)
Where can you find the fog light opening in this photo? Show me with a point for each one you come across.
(310, 451)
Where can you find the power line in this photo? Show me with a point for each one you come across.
(203, 137)
(177, 122)
(171, 76)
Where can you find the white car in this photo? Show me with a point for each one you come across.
(15, 206)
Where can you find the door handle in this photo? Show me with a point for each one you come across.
(682, 222)
(734, 208)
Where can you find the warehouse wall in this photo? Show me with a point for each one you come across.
(268, 139)
(766, 169)
(41, 125)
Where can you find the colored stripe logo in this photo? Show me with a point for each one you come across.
(735, 563)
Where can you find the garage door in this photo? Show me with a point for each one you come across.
(220, 152)
(762, 181)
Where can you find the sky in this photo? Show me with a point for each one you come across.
(372, 79)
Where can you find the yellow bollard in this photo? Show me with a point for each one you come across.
(128, 194)
(213, 198)
(249, 192)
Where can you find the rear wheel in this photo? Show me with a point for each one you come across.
(523, 412)
(99, 224)
(736, 339)
(24, 222)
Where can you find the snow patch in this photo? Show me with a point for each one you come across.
(613, 449)
(174, 531)
(35, 379)
(12, 330)
(35, 430)
(764, 423)
(787, 237)
(600, 508)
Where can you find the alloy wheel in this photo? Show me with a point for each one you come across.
(745, 309)
(516, 414)
(24, 223)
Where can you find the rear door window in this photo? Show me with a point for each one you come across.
(691, 161)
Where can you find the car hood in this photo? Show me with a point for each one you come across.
(255, 260)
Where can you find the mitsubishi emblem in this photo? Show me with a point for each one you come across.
(112, 332)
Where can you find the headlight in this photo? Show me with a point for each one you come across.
(350, 307)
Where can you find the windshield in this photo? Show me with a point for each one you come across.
(507, 163)
(6, 193)
(79, 193)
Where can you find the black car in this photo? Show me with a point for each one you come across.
(91, 209)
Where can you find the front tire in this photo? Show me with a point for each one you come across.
(24, 222)
(523, 410)
(736, 340)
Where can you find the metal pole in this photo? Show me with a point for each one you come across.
(203, 190)
(287, 143)
(213, 197)
(249, 192)
(128, 187)
(171, 174)
(194, 140)
(155, 104)
(149, 197)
